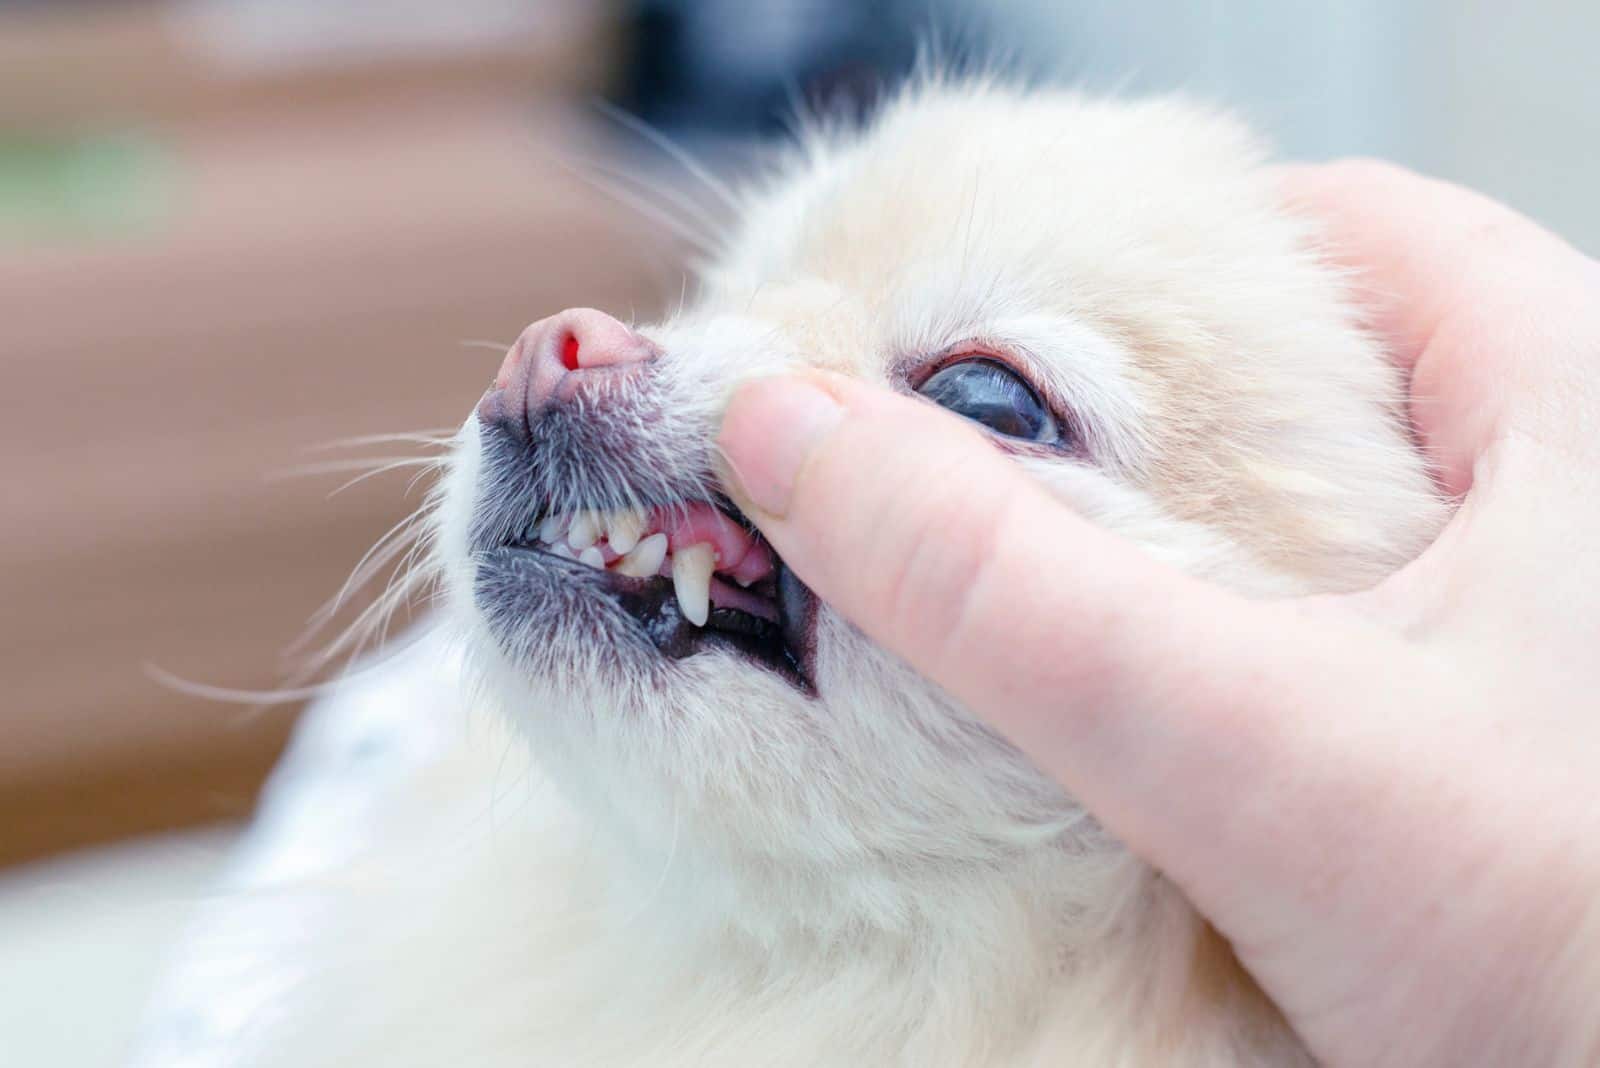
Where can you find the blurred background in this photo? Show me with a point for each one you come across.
(234, 230)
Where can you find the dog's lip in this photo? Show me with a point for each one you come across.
(784, 648)
(797, 605)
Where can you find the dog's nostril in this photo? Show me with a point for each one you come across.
(584, 338)
(554, 358)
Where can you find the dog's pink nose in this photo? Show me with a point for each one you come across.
(554, 358)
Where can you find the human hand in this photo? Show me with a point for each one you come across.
(1390, 801)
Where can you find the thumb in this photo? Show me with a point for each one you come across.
(1123, 678)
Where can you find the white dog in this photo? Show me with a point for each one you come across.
(642, 800)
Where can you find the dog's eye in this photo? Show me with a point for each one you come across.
(990, 393)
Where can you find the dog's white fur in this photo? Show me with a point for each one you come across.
(699, 865)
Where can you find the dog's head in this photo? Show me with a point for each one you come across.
(1111, 289)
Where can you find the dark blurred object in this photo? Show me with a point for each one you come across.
(739, 67)
(210, 281)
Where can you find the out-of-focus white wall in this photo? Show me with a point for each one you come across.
(1497, 96)
(1517, 108)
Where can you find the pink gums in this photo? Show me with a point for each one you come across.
(740, 557)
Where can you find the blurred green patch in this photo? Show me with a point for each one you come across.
(82, 187)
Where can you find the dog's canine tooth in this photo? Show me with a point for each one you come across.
(692, 566)
(623, 530)
(585, 530)
(645, 559)
(593, 557)
(552, 529)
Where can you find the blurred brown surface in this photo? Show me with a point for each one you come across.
(314, 282)
(99, 63)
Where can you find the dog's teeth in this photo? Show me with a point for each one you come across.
(593, 557)
(692, 566)
(585, 530)
(560, 549)
(624, 530)
(644, 559)
(551, 529)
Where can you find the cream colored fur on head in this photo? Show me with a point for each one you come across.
(700, 865)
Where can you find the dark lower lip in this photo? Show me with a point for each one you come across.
(650, 609)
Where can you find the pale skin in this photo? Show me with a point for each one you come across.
(1388, 802)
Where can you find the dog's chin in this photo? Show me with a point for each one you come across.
(852, 803)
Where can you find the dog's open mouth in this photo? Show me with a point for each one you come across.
(690, 574)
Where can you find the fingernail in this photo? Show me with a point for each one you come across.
(771, 427)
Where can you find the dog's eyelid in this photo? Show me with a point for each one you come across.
(994, 392)
(912, 372)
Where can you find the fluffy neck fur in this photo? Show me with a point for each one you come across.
(1006, 955)
(1070, 959)
(1068, 951)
